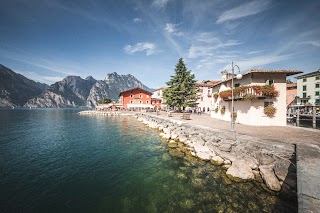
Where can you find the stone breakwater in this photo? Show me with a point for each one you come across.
(104, 113)
(243, 157)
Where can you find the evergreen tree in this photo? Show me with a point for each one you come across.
(182, 90)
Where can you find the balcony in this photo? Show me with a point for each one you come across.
(250, 92)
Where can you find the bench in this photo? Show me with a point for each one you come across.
(186, 116)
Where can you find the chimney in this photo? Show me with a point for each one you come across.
(224, 75)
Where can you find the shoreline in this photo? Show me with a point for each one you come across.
(243, 157)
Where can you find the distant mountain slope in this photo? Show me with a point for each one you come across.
(73, 91)
(15, 89)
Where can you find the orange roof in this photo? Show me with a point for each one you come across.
(136, 88)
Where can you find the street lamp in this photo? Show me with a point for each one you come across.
(239, 76)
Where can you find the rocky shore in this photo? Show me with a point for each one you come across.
(104, 113)
(243, 157)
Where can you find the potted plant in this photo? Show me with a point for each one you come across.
(248, 97)
(223, 110)
(270, 111)
(215, 95)
(235, 114)
(216, 109)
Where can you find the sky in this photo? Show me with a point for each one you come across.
(47, 40)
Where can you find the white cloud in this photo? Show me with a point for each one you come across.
(313, 43)
(171, 29)
(137, 20)
(247, 9)
(207, 43)
(150, 48)
(258, 62)
(40, 78)
(160, 3)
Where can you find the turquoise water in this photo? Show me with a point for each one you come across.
(54, 160)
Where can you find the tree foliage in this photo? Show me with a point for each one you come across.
(105, 101)
(182, 90)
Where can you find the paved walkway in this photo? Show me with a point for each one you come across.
(308, 152)
(288, 134)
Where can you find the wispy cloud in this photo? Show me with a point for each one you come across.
(149, 48)
(137, 20)
(207, 43)
(160, 3)
(171, 29)
(259, 61)
(313, 43)
(247, 9)
(40, 78)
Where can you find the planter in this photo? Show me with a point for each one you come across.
(270, 111)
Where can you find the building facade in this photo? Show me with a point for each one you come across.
(205, 95)
(257, 93)
(157, 98)
(135, 99)
(308, 89)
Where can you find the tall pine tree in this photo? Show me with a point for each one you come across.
(182, 90)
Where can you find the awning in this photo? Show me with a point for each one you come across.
(139, 106)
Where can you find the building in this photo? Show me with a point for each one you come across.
(308, 88)
(135, 99)
(260, 97)
(291, 94)
(205, 95)
(157, 98)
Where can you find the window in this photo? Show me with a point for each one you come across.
(131, 95)
(269, 82)
(147, 102)
(201, 98)
(304, 80)
(208, 91)
(140, 96)
(304, 88)
(140, 102)
(317, 101)
(317, 77)
(237, 85)
(304, 95)
(131, 102)
(317, 85)
(268, 103)
(317, 93)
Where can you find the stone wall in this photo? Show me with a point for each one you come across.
(245, 158)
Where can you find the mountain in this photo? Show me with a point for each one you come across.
(73, 91)
(15, 89)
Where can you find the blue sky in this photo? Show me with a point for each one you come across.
(46, 40)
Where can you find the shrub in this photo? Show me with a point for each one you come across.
(235, 114)
(270, 111)
(248, 97)
(216, 109)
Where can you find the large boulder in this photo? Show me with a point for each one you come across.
(281, 169)
(203, 152)
(226, 147)
(270, 178)
(252, 162)
(240, 171)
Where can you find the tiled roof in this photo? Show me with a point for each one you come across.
(287, 72)
(311, 74)
(207, 83)
(161, 88)
(136, 88)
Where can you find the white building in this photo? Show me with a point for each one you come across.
(205, 95)
(253, 98)
(308, 88)
(158, 95)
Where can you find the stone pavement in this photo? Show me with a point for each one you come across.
(307, 151)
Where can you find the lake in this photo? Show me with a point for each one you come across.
(54, 160)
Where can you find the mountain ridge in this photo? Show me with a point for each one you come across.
(72, 91)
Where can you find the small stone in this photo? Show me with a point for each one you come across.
(216, 160)
(227, 162)
(172, 144)
(225, 147)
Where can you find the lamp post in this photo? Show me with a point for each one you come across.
(239, 76)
